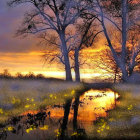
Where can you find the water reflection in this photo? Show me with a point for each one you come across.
(73, 119)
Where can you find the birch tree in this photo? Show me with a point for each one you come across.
(51, 15)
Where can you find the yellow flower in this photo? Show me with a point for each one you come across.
(111, 119)
(51, 95)
(73, 92)
(1, 111)
(45, 127)
(10, 128)
(27, 99)
(15, 100)
(74, 134)
(103, 126)
(130, 107)
(28, 130)
(102, 129)
(98, 131)
(27, 106)
(57, 132)
(32, 100)
(65, 95)
(107, 127)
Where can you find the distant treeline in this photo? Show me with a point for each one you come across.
(7, 75)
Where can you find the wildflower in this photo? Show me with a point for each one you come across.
(28, 130)
(10, 128)
(57, 132)
(74, 134)
(107, 127)
(32, 100)
(130, 107)
(45, 127)
(111, 119)
(1, 111)
(103, 126)
(102, 129)
(51, 95)
(73, 92)
(65, 95)
(13, 100)
(27, 106)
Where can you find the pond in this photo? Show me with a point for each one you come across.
(74, 119)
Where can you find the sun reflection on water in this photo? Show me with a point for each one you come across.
(92, 105)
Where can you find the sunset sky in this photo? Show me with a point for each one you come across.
(24, 54)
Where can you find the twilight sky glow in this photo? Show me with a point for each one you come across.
(24, 55)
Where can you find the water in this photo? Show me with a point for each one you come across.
(62, 121)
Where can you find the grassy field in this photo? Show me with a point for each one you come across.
(18, 96)
(123, 122)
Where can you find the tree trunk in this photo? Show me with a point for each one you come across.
(124, 39)
(132, 65)
(76, 65)
(131, 71)
(76, 105)
(121, 63)
(124, 74)
(66, 56)
(65, 119)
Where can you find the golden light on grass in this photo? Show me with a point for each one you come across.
(31, 96)
(45, 127)
(95, 104)
(1, 111)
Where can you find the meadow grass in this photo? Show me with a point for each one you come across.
(123, 122)
(19, 96)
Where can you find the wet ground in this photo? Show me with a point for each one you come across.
(75, 118)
